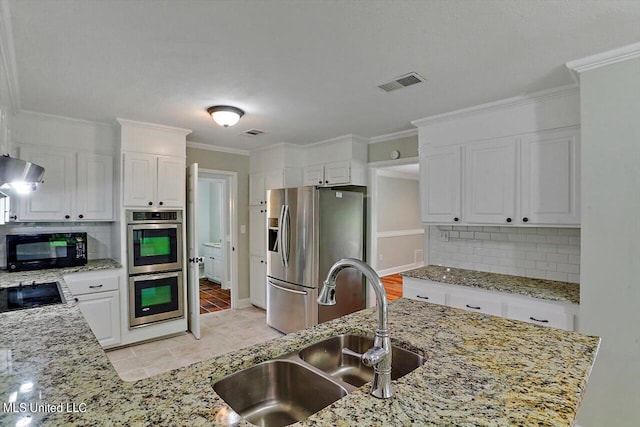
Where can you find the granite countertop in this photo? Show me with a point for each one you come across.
(480, 370)
(536, 288)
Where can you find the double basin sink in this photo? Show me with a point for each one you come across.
(286, 390)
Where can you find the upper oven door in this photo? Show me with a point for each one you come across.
(154, 247)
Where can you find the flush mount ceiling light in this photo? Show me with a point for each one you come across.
(225, 115)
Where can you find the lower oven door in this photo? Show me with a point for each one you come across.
(155, 297)
(291, 307)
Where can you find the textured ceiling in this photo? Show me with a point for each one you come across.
(303, 71)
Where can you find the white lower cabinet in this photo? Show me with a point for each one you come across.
(98, 297)
(474, 301)
(102, 311)
(562, 315)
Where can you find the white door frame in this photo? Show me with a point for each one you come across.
(372, 222)
(232, 216)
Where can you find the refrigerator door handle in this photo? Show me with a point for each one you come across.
(293, 291)
(281, 233)
(286, 228)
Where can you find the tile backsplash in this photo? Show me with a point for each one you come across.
(542, 253)
(98, 236)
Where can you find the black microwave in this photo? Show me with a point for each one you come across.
(50, 250)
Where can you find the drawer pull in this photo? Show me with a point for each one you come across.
(538, 320)
(95, 286)
(420, 296)
(472, 307)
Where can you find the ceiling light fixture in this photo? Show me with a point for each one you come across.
(225, 115)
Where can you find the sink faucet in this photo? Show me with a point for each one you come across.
(379, 356)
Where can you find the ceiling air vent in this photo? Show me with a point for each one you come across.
(402, 81)
(252, 132)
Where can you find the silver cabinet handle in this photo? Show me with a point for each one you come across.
(293, 291)
(95, 286)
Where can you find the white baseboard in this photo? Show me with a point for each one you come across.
(394, 270)
(243, 303)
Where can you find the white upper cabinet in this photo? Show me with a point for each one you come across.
(490, 186)
(77, 186)
(333, 173)
(550, 177)
(259, 183)
(440, 185)
(153, 181)
(94, 197)
(257, 191)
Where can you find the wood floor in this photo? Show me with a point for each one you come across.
(213, 297)
(393, 286)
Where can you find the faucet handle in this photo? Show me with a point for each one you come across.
(348, 352)
(373, 356)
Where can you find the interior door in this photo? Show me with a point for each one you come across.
(193, 273)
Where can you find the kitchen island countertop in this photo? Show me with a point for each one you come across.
(536, 288)
(480, 370)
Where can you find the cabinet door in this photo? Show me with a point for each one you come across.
(94, 190)
(257, 192)
(337, 173)
(440, 185)
(140, 179)
(102, 312)
(313, 175)
(52, 201)
(474, 302)
(257, 230)
(171, 182)
(258, 280)
(274, 179)
(490, 173)
(423, 292)
(550, 178)
(541, 314)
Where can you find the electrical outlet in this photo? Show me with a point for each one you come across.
(379, 257)
(444, 236)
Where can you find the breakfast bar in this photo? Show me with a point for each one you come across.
(479, 370)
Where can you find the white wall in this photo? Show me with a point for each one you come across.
(610, 263)
(542, 253)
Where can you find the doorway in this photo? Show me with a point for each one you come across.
(397, 238)
(217, 270)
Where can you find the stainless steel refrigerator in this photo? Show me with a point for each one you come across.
(308, 229)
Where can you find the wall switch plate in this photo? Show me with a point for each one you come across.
(444, 236)
(243, 229)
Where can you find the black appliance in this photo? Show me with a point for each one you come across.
(49, 250)
(29, 296)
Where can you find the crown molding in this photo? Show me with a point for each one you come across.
(502, 104)
(218, 148)
(65, 118)
(8, 58)
(154, 126)
(392, 136)
(348, 138)
(602, 59)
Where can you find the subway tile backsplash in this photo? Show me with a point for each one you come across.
(542, 253)
(98, 236)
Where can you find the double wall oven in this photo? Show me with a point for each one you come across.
(155, 266)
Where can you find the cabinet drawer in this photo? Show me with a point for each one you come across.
(477, 303)
(424, 293)
(545, 315)
(86, 283)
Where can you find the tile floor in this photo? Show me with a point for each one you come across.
(221, 331)
(212, 297)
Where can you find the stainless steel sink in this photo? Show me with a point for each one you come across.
(328, 357)
(277, 392)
